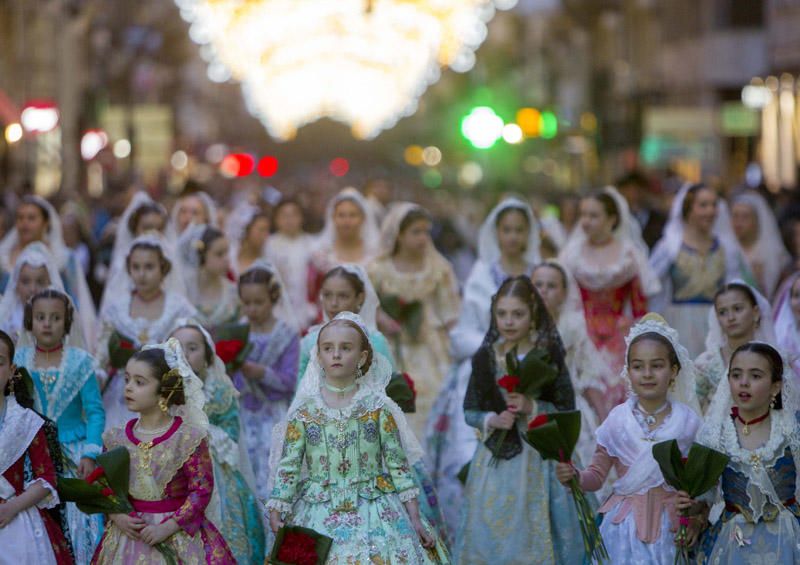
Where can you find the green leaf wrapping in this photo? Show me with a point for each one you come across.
(698, 474)
(407, 314)
(556, 439)
(399, 391)
(535, 371)
(88, 497)
(120, 350)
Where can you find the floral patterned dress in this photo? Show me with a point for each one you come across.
(170, 477)
(357, 479)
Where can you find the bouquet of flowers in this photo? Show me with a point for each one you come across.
(696, 474)
(120, 350)
(233, 345)
(529, 377)
(105, 491)
(407, 314)
(401, 390)
(295, 545)
(554, 436)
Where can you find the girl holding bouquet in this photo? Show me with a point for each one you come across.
(28, 534)
(239, 514)
(641, 516)
(267, 379)
(66, 392)
(343, 466)
(142, 312)
(515, 511)
(752, 419)
(171, 473)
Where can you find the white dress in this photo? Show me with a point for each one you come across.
(292, 257)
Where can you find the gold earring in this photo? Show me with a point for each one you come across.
(162, 404)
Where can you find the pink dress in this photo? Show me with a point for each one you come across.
(172, 478)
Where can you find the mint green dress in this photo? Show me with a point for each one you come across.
(344, 474)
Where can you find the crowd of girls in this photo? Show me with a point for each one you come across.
(243, 364)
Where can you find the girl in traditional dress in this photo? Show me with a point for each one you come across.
(410, 270)
(28, 534)
(205, 254)
(289, 249)
(757, 230)
(171, 473)
(193, 208)
(142, 310)
(640, 518)
(37, 220)
(508, 245)
(787, 313)
(358, 451)
(608, 258)
(696, 255)
(239, 516)
(515, 511)
(740, 314)
(66, 391)
(268, 377)
(752, 419)
(247, 228)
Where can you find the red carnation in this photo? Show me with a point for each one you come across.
(298, 548)
(410, 383)
(509, 382)
(108, 491)
(125, 344)
(94, 475)
(228, 349)
(539, 420)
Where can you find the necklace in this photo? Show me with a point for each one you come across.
(340, 391)
(747, 424)
(49, 377)
(153, 298)
(650, 417)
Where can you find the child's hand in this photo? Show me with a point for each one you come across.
(275, 522)
(129, 525)
(7, 513)
(685, 504)
(156, 533)
(565, 472)
(503, 421)
(519, 403)
(253, 371)
(425, 536)
(387, 324)
(85, 467)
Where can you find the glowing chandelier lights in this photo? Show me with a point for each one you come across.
(361, 62)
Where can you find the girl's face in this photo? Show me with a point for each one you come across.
(191, 210)
(340, 352)
(150, 222)
(257, 233)
(744, 221)
(289, 219)
(144, 267)
(550, 284)
(751, 383)
(141, 386)
(6, 366)
(30, 223)
(794, 298)
(256, 303)
(416, 238)
(513, 318)
(703, 212)
(338, 295)
(194, 347)
(31, 280)
(217, 259)
(596, 223)
(512, 233)
(737, 317)
(48, 322)
(348, 218)
(650, 371)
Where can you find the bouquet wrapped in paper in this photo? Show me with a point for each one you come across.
(554, 436)
(401, 389)
(407, 314)
(232, 345)
(120, 350)
(695, 474)
(295, 545)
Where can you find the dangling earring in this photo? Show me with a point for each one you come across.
(774, 400)
(162, 404)
(672, 385)
(359, 374)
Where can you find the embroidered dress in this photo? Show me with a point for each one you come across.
(69, 396)
(358, 476)
(118, 317)
(171, 476)
(263, 403)
(33, 536)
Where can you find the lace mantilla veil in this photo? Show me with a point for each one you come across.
(208, 204)
(370, 235)
(281, 309)
(488, 247)
(371, 389)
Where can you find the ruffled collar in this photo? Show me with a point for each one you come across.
(601, 277)
(779, 435)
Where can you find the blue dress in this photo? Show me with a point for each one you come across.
(69, 395)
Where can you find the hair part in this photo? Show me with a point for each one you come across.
(521, 288)
(672, 355)
(166, 264)
(691, 196)
(557, 268)
(773, 358)
(69, 311)
(508, 210)
(264, 277)
(413, 216)
(170, 381)
(365, 343)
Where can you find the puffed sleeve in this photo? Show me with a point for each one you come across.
(44, 471)
(95, 414)
(199, 474)
(287, 476)
(394, 457)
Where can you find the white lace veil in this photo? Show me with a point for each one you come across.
(684, 388)
(627, 230)
(786, 330)
(370, 235)
(765, 332)
(488, 247)
(236, 226)
(189, 246)
(372, 383)
(769, 246)
(369, 309)
(208, 204)
(54, 238)
(282, 309)
(190, 411)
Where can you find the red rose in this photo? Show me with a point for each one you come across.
(410, 383)
(125, 344)
(228, 349)
(108, 491)
(509, 382)
(230, 276)
(539, 420)
(94, 475)
(298, 548)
